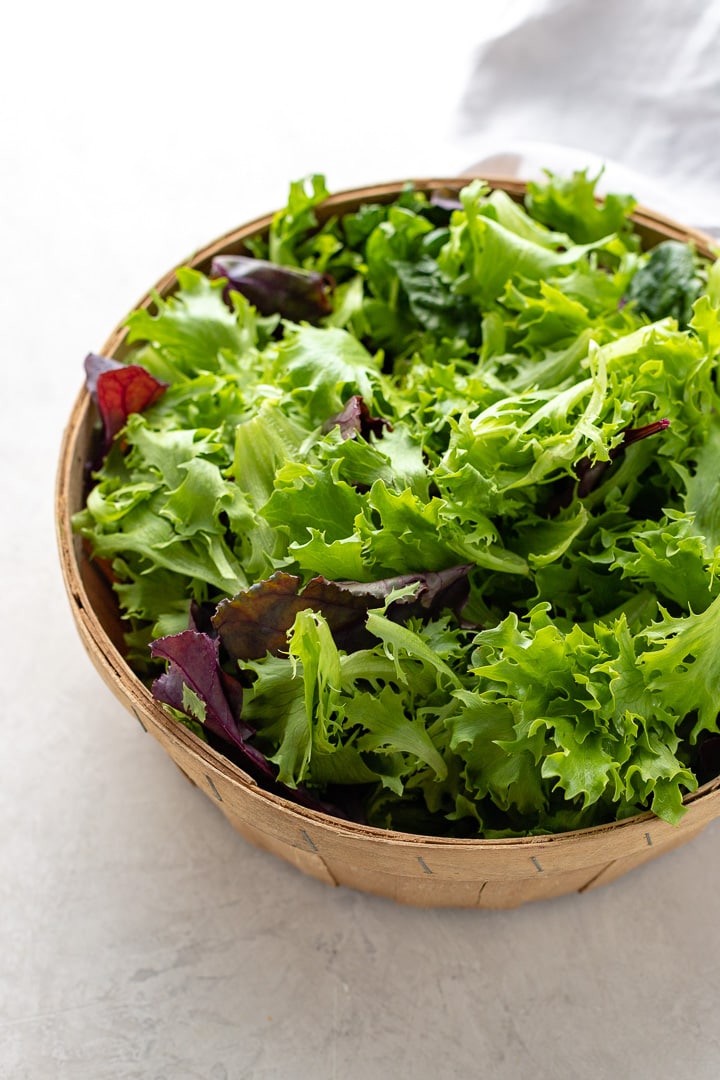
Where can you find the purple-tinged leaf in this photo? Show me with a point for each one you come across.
(119, 390)
(355, 419)
(257, 620)
(275, 290)
(589, 473)
(436, 591)
(193, 665)
(200, 618)
(445, 201)
(633, 435)
(96, 365)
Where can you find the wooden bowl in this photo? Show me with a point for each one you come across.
(421, 870)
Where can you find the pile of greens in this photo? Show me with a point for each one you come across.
(415, 513)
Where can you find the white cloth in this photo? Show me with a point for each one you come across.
(637, 84)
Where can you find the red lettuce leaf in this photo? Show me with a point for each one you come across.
(445, 201)
(275, 290)
(589, 474)
(355, 419)
(119, 390)
(193, 662)
(436, 590)
(257, 620)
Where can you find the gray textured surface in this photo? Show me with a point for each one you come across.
(140, 937)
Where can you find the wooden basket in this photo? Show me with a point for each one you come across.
(419, 870)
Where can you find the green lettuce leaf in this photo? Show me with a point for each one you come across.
(570, 204)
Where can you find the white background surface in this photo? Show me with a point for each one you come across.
(140, 936)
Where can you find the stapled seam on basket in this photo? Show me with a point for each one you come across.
(596, 876)
(308, 840)
(314, 849)
(212, 787)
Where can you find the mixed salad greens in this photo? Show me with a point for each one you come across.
(415, 513)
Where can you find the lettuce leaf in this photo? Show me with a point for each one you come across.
(667, 284)
(570, 204)
(119, 390)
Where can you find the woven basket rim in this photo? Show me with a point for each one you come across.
(135, 695)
